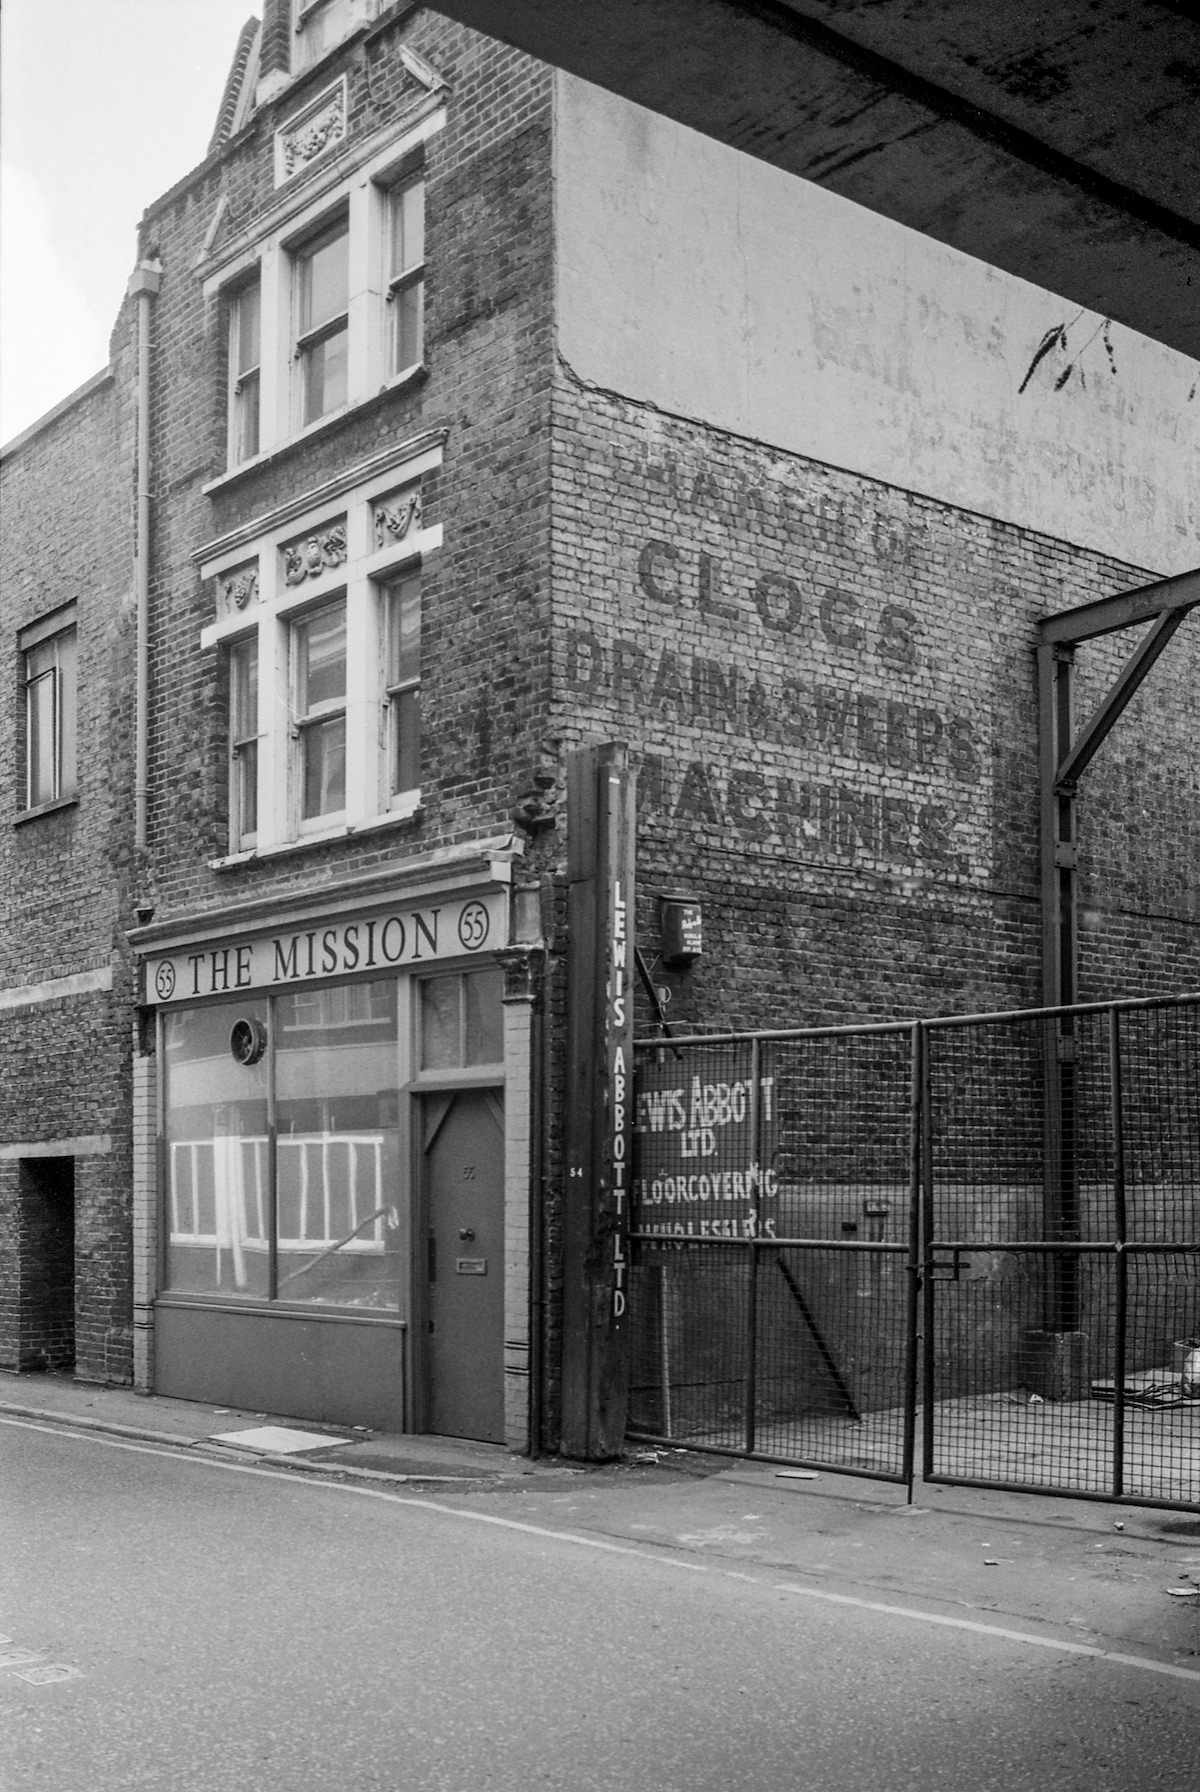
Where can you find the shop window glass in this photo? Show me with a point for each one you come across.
(310, 1212)
(217, 1156)
(461, 1020)
(483, 1037)
(337, 1148)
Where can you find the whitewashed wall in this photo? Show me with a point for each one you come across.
(718, 288)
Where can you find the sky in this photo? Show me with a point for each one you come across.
(104, 105)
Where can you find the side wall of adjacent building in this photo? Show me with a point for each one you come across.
(65, 984)
(803, 544)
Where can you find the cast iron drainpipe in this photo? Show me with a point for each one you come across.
(144, 284)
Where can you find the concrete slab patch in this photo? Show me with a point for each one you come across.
(46, 1673)
(18, 1658)
(278, 1440)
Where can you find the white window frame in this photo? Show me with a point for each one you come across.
(308, 337)
(403, 691)
(243, 742)
(309, 716)
(55, 639)
(405, 272)
(275, 258)
(362, 577)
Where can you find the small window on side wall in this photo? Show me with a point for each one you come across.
(48, 676)
(406, 273)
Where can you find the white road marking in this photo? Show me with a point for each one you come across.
(978, 1629)
(909, 1613)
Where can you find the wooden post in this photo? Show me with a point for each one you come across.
(599, 1083)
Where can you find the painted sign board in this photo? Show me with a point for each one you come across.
(700, 1166)
(376, 941)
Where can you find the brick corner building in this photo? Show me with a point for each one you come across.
(559, 529)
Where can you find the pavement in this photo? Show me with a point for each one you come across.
(1119, 1579)
(195, 1425)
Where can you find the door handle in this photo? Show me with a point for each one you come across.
(466, 1234)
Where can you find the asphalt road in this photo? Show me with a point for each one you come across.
(219, 1626)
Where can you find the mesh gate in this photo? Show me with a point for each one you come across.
(1062, 1279)
(966, 1249)
(772, 1296)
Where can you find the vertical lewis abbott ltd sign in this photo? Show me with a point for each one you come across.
(599, 1089)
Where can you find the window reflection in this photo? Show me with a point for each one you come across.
(328, 1196)
(462, 1020)
(218, 1240)
(337, 1158)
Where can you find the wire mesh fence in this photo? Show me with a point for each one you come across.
(1036, 1176)
(772, 1283)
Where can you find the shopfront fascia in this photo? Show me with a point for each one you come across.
(337, 1223)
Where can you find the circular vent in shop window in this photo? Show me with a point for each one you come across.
(247, 1040)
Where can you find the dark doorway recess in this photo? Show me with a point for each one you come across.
(47, 1299)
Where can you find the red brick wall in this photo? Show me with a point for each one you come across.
(485, 595)
(66, 506)
(830, 684)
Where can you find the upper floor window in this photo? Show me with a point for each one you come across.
(322, 275)
(330, 306)
(406, 272)
(320, 24)
(319, 715)
(318, 618)
(48, 675)
(402, 690)
(245, 357)
(243, 742)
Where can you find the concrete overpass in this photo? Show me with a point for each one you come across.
(1059, 143)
